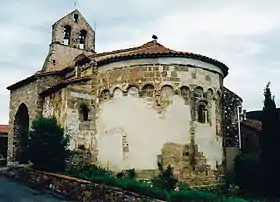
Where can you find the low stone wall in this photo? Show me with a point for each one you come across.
(73, 188)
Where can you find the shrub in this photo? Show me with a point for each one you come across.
(247, 172)
(182, 186)
(89, 171)
(195, 195)
(163, 189)
(129, 174)
(48, 145)
(165, 179)
(120, 174)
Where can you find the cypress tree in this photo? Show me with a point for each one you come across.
(270, 145)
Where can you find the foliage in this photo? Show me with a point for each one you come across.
(247, 165)
(89, 170)
(48, 145)
(196, 195)
(258, 173)
(165, 180)
(101, 176)
(182, 186)
(120, 175)
(269, 142)
(129, 174)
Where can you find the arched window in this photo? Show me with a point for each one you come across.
(84, 112)
(82, 39)
(199, 92)
(185, 92)
(148, 90)
(202, 114)
(105, 95)
(76, 17)
(67, 34)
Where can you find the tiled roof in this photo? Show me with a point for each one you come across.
(63, 84)
(37, 75)
(4, 128)
(254, 124)
(152, 49)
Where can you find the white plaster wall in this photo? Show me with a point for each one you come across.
(146, 131)
(208, 142)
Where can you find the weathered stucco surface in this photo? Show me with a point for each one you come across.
(143, 109)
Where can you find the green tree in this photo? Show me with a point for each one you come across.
(270, 144)
(48, 145)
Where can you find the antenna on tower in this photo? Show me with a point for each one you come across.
(75, 4)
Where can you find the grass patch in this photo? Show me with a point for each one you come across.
(153, 189)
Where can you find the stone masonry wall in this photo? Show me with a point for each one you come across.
(29, 96)
(82, 131)
(65, 105)
(76, 189)
(60, 55)
(140, 107)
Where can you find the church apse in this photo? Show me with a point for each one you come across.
(143, 110)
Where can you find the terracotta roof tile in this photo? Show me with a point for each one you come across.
(152, 49)
(4, 128)
(62, 84)
(37, 75)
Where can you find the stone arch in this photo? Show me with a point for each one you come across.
(133, 90)
(185, 92)
(80, 60)
(82, 39)
(198, 92)
(210, 93)
(117, 92)
(202, 112)
(67, 35)
(218, 94)
(167, 92)
(105, 95)
(148, 90)
(21, 128)
(84, 112)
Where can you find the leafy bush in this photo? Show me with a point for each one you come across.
(181, 186)
(129, 174)
(165, 180)
(196, 195)
(161, 188)
(247, 172)
(120, 175)
(48, 145)
(90, 171)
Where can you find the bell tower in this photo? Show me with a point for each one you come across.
(71, 36)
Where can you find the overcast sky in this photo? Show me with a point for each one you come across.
(243, 34)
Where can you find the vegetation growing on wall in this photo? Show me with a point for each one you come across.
(163, 186)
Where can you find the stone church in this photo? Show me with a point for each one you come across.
(129, 108)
